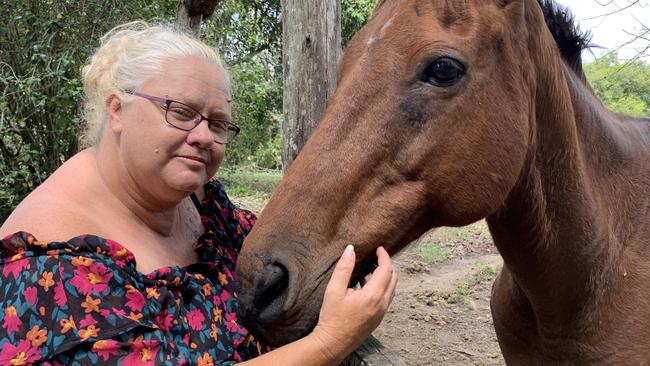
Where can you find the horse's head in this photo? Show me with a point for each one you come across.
(429, 126)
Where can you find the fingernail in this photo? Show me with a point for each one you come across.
(349, 250)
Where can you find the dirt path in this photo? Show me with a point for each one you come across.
(441, 311)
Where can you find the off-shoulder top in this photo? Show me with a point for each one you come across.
(82, 301)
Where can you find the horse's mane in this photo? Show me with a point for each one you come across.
(570, 40)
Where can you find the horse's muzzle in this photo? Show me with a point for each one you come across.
(263, 307)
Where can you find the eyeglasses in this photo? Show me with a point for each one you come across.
(186, 118)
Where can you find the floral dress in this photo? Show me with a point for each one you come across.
(82, 301)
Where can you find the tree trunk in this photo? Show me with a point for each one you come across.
(190, 13)
(311, 37)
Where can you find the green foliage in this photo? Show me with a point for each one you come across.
(249, 35)
(623, 87)
(44, 45)
(354, 14)
(248, 182)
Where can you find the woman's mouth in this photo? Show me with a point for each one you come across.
(194, 158)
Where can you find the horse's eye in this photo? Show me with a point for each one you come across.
(443, 72)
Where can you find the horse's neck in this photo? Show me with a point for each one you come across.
(559, 231)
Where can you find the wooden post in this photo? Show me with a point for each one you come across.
(311, 46)
(190, 13)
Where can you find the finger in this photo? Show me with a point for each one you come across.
(381, 277)
(343, 270)
(390, 292)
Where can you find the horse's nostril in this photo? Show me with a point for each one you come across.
(273, 283)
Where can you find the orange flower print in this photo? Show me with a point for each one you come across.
(152, 293)
(214, 332)
(46, 281)
(217, 315)
(207, 289)
(91, 305)
(37, 336)
(90, 332)
(67, 324)
(134, 316)
(81, 261)
(222, 279)
(205, 360)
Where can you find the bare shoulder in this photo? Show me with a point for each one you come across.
(53, 211)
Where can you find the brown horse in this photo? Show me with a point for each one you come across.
(448, 112)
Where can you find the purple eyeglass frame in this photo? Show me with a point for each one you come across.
(164, 103)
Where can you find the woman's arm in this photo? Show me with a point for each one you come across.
(347, 316)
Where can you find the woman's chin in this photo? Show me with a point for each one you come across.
(189, 184)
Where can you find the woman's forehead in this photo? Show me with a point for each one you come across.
(189, 73)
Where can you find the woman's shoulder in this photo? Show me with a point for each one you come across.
(48, 215)
(59, 207)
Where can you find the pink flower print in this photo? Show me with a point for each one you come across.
(91, 279)
(238, 357)
(16, 266)
(164, 320)
(164, 270)
(59, 294)
(30, 295)
(12, 321)
(119, 253)
(216, 300)
(119, 312)
(142, 354)
(106, 348)
(24, 354)
(136, 299)
(231, 323)
(195, 319)
(241, 217)
(87, 321)
(225, 296)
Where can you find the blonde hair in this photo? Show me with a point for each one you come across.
(128, 56)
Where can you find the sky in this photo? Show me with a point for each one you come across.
(609, 31)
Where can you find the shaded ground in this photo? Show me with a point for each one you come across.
(441, 311)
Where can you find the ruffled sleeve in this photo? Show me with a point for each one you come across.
(63, 300)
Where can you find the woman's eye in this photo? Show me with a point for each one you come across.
(443, 72)
(182, 113)
(217, 126)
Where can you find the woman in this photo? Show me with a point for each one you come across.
(126, 254)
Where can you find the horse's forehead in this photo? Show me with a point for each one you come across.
(403, 13)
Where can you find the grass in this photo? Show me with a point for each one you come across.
(432, 253)
(461, 290)
(246, 182)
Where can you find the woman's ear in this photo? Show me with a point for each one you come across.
(114, 111)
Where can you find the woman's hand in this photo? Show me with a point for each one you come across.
(349, 315)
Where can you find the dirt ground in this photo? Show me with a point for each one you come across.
(441, 311)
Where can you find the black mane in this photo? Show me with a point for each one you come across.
(569, 38)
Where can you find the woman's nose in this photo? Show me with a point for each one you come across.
(201, 134)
